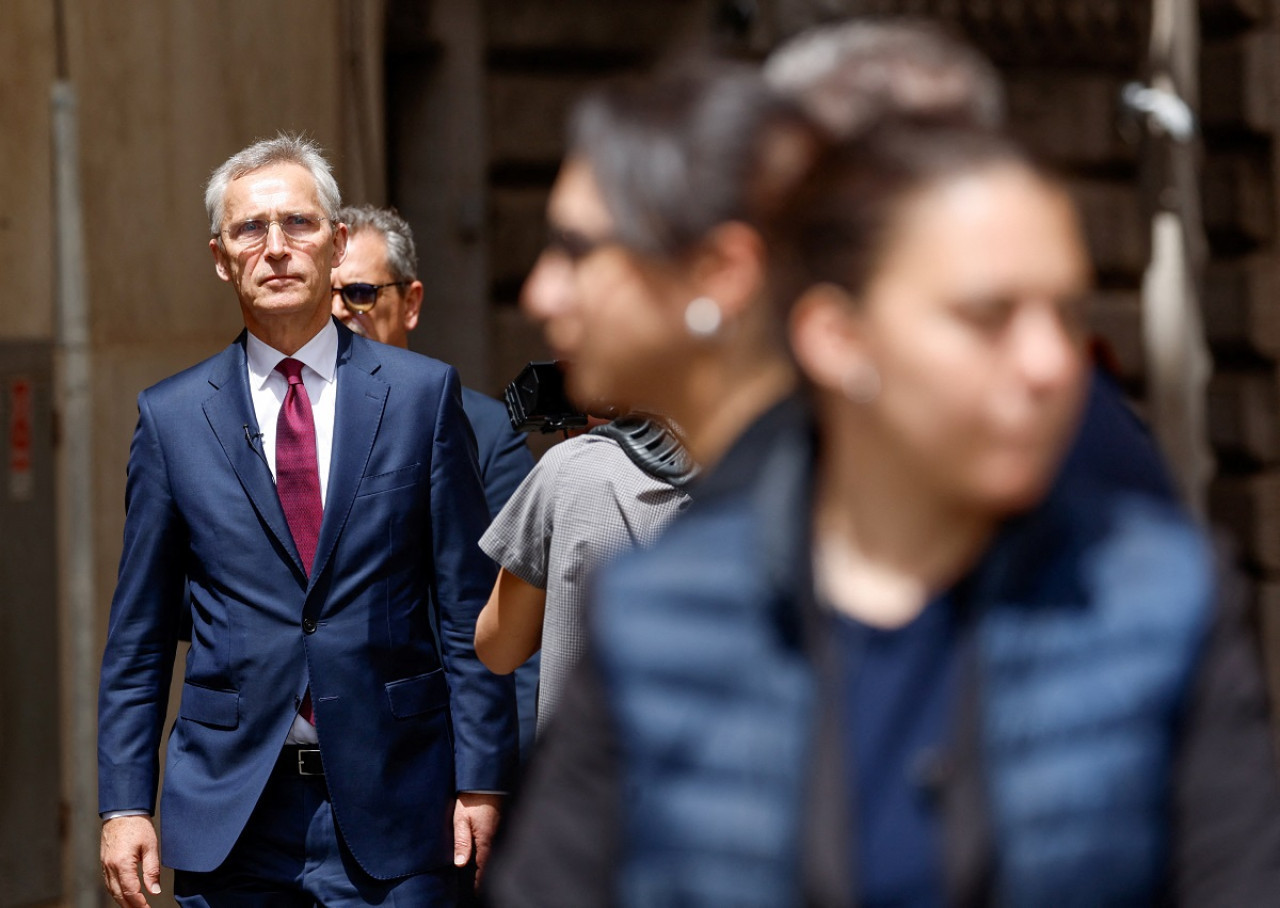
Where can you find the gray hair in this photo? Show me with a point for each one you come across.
(285, 148)
(849, 74)
(402, 255)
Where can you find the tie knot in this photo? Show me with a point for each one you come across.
(291, 369)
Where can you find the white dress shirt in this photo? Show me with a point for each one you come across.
(267, 388)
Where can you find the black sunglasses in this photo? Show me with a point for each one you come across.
(362, 297)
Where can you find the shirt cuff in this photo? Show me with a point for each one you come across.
(114, 814)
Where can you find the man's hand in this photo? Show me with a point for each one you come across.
(475, 819)
(126, 842)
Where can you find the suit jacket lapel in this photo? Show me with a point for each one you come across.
(358, 414)
(230, 414)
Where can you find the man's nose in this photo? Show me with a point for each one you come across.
(335, 306)
(276, 243)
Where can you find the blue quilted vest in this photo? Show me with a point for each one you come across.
(1090, 612)
(1094, 611)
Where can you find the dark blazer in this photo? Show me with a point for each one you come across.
(698, 750)
(503, 455)
(404, 723)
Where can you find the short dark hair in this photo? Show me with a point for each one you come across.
(686, 148)
(835, 226)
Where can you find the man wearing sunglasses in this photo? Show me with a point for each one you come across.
(318, 495)
(376, 292)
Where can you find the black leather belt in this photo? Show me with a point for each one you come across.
(300, 760)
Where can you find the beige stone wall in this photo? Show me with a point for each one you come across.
(27, 70)
(166, 91)
(200, 82)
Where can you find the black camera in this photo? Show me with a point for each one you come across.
(536, 401)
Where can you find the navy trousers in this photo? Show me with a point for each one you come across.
(291, 855)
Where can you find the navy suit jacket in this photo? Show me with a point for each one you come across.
(404, 723)
(504, 456)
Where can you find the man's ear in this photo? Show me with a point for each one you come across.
(730, 268)
(340, 236)
(412, 305)
(220, 263)
(826, 338)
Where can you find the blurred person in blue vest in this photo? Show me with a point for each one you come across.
(902, 649)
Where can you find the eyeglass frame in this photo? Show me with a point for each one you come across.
(574, 246)
(279, 222)
(377, 293)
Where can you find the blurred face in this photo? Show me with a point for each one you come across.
(616, 319)
(279, 264)
(974, 325)
(396, 308)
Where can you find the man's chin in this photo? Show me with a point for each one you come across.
(287, 306)
(356, 327)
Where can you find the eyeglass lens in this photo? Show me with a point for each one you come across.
(252, 231)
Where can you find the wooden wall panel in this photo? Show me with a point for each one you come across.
(1242, 305)
(1249, 507)
(1238, 197)
(527, 114)
(518, 218)
(1116, 315)
(1239, 81)
(27, 71)
(591, 26)
(1114, 223)
(214, 80)
(1244, 419)
(1071, 118)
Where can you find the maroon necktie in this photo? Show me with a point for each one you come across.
(297, 474)
(297, 477)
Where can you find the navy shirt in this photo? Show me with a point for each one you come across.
(900, 691)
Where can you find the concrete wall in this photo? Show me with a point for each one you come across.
(27, 69)
(206, 80)
(166, 91)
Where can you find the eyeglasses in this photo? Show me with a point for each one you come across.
(362, 297)
(576, 246)
(297, 228)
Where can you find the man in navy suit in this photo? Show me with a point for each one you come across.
(327, 750)
(376, 293)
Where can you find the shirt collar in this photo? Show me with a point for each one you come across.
(320, 355)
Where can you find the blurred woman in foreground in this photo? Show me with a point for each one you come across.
(889, 659)
(652, 285)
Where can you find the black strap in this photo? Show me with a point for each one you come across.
(652, 447)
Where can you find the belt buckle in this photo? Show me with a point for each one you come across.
(303, 754)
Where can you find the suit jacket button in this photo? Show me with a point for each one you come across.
(308, 625)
